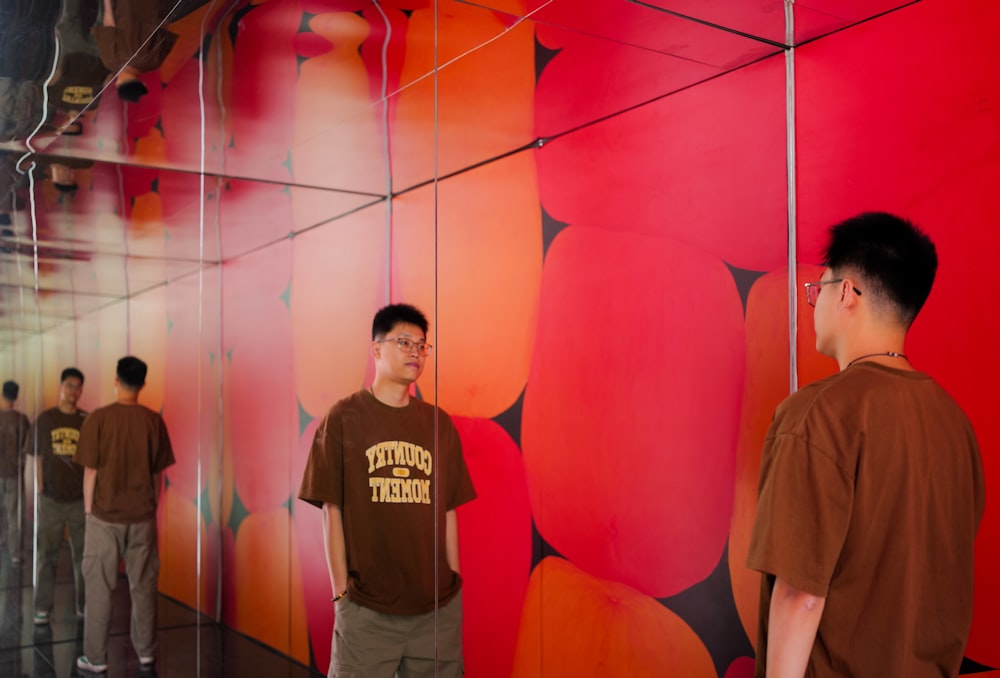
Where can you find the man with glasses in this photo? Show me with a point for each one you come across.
(871, 483)
(53, 440)
(388, 472)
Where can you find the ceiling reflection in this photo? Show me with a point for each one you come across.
(143, 141)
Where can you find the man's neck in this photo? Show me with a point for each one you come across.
(6, 405)
(66, 408)
(392, 393)
(128, 397)
(885, 347)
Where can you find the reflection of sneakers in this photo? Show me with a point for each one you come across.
(147, 664)
(84, 664)
(15, 561)
(41, 617)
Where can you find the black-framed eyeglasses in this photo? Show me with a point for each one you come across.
(406, 345)
(813, 289)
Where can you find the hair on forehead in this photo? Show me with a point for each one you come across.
(390, 316)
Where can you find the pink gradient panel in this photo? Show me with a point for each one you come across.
(180, 401)
(632, 407)
(495, 542)
(262, 88)
(257, 337)
(634, 173)
(619, 76)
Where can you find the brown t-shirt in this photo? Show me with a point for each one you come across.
(136, 39)
(13, 430)
(127, 444)
(380, 464)
(54, 437)
(871, 492)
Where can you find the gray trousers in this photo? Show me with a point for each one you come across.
(105, 544)
(10, 488)
(370, 644)
(53, 517)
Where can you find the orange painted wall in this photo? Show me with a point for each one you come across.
(609, 310)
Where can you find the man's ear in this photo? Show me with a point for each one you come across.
(848, 297)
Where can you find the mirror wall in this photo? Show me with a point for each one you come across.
(596, 203)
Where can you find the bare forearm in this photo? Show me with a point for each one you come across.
(336, 551)
(451, 540)
(792, 624)
(39, 477)
(89, 483)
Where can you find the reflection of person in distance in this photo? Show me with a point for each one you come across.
(388, 472)
(871, 482)
(124, 449)
(131, 42)
(13, 432)
(80, 73)
(59, 483)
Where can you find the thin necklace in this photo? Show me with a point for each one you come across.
(891, 354)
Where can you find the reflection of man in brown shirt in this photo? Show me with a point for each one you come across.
(13, 431)
(53, 440)
(131, 41)
(388, 472)
(124, 448)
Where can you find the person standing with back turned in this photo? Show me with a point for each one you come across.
(124, 448)
(871, 483)
(13, 432)
(388, 472)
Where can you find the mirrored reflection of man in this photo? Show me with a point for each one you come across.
(131, 42)
(387, 470)
(13, 432)
(59, 480)
(124, 448)
(27, 49)
(80, 73)
(871, 483)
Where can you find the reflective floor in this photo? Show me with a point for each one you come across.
(189, 644)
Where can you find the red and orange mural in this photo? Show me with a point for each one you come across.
(592, 205)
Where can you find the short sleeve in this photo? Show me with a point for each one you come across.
(22, 432)
(460, 489)
(164, 450)
(29, 441)
(88, 451)
(322, 480)
(803, 513)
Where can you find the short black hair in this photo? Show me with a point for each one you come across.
(390, 316)
(71, 372)
(895, 261)
(132, 372)
(10, 390)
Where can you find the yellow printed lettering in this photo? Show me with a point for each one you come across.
(400, 490)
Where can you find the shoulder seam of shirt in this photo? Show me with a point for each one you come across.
(823, 453)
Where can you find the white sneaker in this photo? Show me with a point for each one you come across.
(84, 664)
